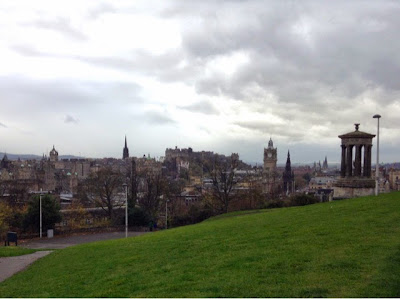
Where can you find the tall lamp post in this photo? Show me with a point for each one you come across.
(40, 214)
(377, 158)
(126, 210)
(166, 214)
(41, 192)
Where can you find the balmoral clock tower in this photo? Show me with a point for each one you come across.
(269, 171)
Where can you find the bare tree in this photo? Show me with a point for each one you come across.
(223, 181)
(103, 188)
(153, 187)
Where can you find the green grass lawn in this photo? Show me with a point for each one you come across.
(6, 251)
(348, 248)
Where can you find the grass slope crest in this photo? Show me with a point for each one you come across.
(348, 248)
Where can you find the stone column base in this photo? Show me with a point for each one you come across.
(353, 187)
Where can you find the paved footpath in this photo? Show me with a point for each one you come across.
(11, 265)
(63, 242)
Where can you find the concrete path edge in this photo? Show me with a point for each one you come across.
(11, 265)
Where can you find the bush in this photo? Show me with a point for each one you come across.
(5, 217)
(195, 214)
(137, 217)
(50, 214)
(303, 200)
(276, 203)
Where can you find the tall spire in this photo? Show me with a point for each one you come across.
(288, 176)
(125, 152)
(288, 163)
(270, 143)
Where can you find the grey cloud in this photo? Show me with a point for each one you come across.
(3, 125)
(101, 9)
(70, 119)
(165, 66)
(157, 118)
(62, 95)
(204, 107)
(289, 131)
(351, 49)
(27, 50)
(61, 25)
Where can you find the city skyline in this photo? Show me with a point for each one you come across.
(216, 76)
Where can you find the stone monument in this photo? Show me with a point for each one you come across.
(355, 175)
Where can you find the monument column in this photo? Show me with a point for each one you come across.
(343, 162)
(357, 167)
(367, 161)
(349, 162)
(365, 172)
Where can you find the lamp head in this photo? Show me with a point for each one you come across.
(376, 116)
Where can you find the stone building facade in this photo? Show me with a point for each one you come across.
(394, 179)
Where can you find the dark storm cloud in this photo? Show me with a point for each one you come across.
(60, 25)
(154, 117)
(204, 107)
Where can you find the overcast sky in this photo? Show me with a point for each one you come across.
(223, 76)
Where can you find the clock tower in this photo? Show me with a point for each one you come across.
(269, 170)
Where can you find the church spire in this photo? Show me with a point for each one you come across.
(125, 152)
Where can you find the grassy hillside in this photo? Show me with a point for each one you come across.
(348, 248)
(14, 251)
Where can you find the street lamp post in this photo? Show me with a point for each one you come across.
(377, 158)
(40, 214)
(126, 210)
(166, 214)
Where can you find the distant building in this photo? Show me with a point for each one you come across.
(5, 163)
(125, 152)
(269, 169)
(53, 155)
(325, 164)
(394, 179)
(321, 182)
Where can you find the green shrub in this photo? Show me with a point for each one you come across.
(50, 214)
(303, 200)
(5, 214)
(137, 217)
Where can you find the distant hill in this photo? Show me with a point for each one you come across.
(15, 157)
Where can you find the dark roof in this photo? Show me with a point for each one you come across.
(357, 134)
